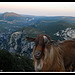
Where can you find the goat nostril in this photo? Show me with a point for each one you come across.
(37, 53)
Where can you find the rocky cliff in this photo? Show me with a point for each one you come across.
(17, 43)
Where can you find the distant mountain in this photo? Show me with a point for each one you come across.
(13, 18)
(15, 27)
(17, 43)
(9, 16)
(11, 22)
(51, 27)
(69, 19)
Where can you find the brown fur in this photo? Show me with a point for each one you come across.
(55, 59)
(68, 48)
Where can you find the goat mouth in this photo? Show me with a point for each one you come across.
(38, 56)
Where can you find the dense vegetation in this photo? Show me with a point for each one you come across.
(51, 27)
(15, 62)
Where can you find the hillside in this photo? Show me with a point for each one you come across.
(15, 27)
(15, 62)
(17, 43)
(15, 34)
(30, 25)
(51, 28)
(14, 18)
(11, 22)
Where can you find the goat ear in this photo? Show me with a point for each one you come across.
(30, 39)
(50, 42)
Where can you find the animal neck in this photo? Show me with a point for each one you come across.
(52, 60)
(50, 54)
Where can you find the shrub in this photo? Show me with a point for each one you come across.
(15, 62)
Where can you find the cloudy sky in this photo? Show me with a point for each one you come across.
(39, 8)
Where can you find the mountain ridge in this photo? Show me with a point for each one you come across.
(34, 26)
(11, 14)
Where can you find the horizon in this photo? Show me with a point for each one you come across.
(39, 8)
(36, 15)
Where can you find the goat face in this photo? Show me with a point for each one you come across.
(40, 43)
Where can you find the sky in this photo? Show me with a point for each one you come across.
(39, 8)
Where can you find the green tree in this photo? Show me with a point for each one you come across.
(15, 62)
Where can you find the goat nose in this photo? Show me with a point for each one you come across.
(37, 54)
